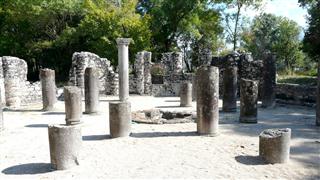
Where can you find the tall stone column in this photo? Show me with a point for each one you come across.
(48, 85)
(1, 117)
(208, 100)
(230, 86)
(318, 97)
(194, 87)
(147, 73)
(269, 80)
(73, 104)
(123, 60)
(139, 72)
(91, 93)
(248, 101)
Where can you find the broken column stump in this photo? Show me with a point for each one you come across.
(186, 94)
(208, 100)
(48, 86)
(73, 104)
(91, 90)
(65, 144)
(274, 145)
(229, 98)
(248, 101)
(120, 119)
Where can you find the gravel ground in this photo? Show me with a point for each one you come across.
(160, 151)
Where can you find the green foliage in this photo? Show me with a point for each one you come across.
(301, 80)
(46, 32)
(278, 35)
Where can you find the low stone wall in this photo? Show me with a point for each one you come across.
(32, 93)
(296, 94)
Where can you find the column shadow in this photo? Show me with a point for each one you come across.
(29, 168)
(250, 160)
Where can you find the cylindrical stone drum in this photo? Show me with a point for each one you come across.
(120, 119)
(91, 90)
(65, 145)
(229, 103)
(208, 100)
(248, 101)
(274, 145)
(48, 85)
(186, 94)
(73, 104)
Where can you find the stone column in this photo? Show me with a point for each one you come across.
(147, 73)
(208, 100)
(274, 145)
(269, 80)
(123, 60)
(65, 144)
(91, 86)
(230, 86)
(2, 90)
(1, 117)
(186, 94)
(318, 96)
(73, 104)
(48, 85)
(194, 87)
(120, 119)
(248, 101)
(139, 72)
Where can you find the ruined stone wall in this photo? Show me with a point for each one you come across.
(296, 94)
(82, 60)
(32, 93)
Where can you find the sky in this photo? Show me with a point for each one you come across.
(287, 8)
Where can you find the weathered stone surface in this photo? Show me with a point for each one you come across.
(112, 82)
(194, 87)
(15, 77)
(65, 144)
(120, 119)
(172, 62)
(139, 73)
(208, 100)
(2, 89)
(147, 73)
(296, 94)
(82, 60)
(91, 81)
(274, 145)
(73, 104)
(318, 97)
(186, 94)
(269, 80)
(123, 60)
(48, 86)
(1, 117)
(230, 86)
(248, 101)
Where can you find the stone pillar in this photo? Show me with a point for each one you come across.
(194, 87)
(139, 72)
(230, 86)
(177, 62)
(91, 86)
(147, 73)
(1, 116)
(208, 100)
(48, 85)
(2, 90)
(318, 97)
(269, 80)
(248, 101)
(65, 144)
(274, 145)
(123, 60)
(73, 104)
(120, 119)
(186, 94)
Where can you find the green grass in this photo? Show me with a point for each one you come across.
(301, 80)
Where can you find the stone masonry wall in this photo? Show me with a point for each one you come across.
(296, 94)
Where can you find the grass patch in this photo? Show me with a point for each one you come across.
(301, 80)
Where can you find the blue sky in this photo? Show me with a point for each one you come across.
(287, 8)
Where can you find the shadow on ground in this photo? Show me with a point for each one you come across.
(250, 160)
(163, 134)
(36, 125)
(30, 168)
(95, 137)
(53, 113)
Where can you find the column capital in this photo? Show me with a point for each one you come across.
(123, 41)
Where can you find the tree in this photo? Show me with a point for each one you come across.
(234, 18)
(276, 34)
